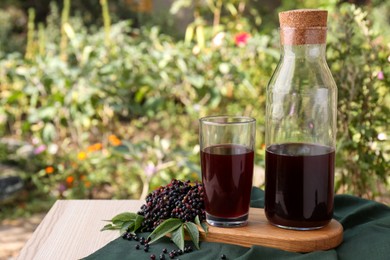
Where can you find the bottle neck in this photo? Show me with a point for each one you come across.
(302, 36)
(309, 52)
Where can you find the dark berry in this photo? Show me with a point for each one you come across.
(165, 250)
(153, 257)
(223, 256)
(137, 247)
(177, 199)
(146, 249)
(162, 257)
(124, 236)
(180, 251)
(146, 245)
(171, 256)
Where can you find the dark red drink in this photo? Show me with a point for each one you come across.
(227, 172)
(299, 185)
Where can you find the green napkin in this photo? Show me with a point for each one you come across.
(366, 236)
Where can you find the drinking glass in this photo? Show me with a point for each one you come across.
(227, 155)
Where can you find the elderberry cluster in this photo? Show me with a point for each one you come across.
(176, 200)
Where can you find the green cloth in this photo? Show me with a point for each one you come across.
(366, 236)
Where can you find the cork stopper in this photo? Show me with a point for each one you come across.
(303, 18)
(303, 26)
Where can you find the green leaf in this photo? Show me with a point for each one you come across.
(125, 226)
(124, 217)
(232, 9)
(117, 222)
(205, 227)
(108, 227)
(164, 228)
(203, 224)
(49, 132)
(197, 221)
(121, 149)
(138, 222)
(193, 232)
(178, 237)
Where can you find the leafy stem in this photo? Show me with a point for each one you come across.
(124, 222)
(176, 228)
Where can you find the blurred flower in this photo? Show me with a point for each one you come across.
(35, 141)
(382, 136)
(39, 149)
(83, 177)
(61, 188)
(241, 39)
(114, 140)
(95, 147)
(87, 184)
(49, 169)
(81, 156)
(150, 169)
(218, 39)
(380, 75)
(197, 107)
(52, 148)
(262, 146)
(196, 50)
(69, 180)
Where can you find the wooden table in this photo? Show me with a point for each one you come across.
(71, 229)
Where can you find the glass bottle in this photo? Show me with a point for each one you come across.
(301, 126)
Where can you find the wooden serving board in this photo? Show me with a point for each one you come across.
(260, 232)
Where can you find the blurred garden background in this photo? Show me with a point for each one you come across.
(101, 99)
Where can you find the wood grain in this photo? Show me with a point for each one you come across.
(260, 232)
(71, 229)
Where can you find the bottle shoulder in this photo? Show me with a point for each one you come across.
(301, 75)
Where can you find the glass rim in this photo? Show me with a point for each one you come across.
(213, 120)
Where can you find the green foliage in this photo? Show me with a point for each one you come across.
(12, 21)
(358, 60)
(142, 86)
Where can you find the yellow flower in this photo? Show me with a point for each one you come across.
(81, 156)
(114, 140)
(49, 169)
(87, 184)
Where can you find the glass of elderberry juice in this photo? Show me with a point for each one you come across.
(227, 155)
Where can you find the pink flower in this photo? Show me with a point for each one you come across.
(380, 75)
(241, 39)
(40, 149)
(61, 188)
(150, 169)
